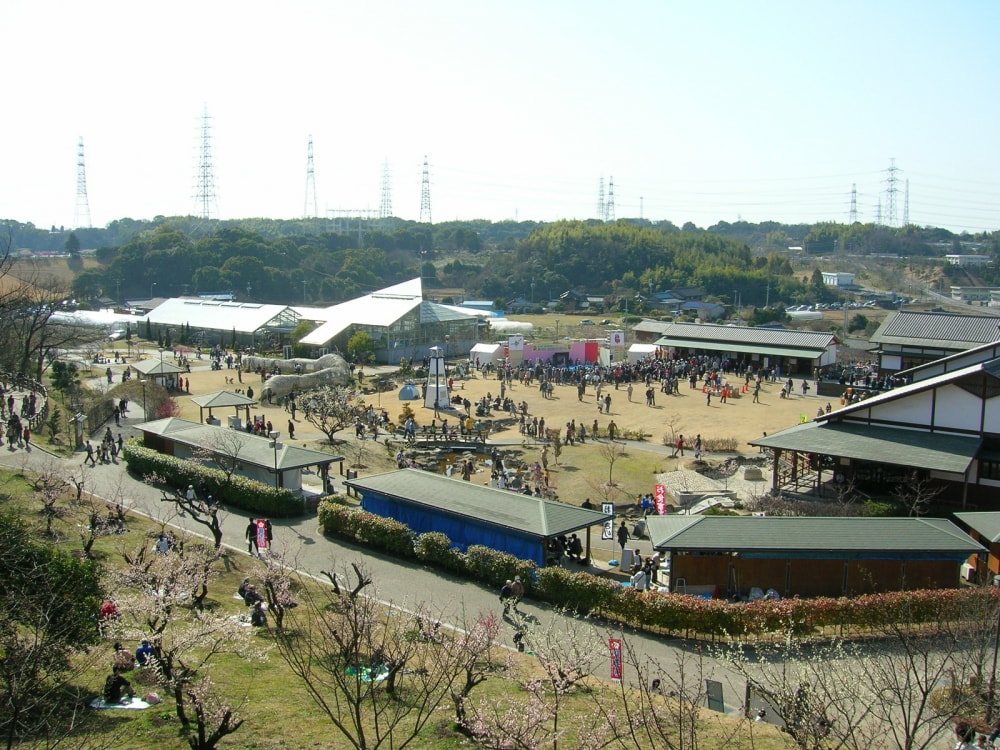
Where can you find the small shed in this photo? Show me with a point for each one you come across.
(486, 354)
(811, 556)
(468, 513)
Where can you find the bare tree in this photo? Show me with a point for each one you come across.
(203, 510)
(159, 598)
(222, 451)
(359, 661)
(917, 493)
(331, 409)
(902, 688)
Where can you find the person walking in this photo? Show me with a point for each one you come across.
(251, 537)
(623, 537)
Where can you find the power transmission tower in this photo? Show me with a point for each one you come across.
(852, 214)
(205, 180)
(600, 200)
(906, 204)
(890, 193)
(310, 184)
(878, 213)
(385, 204)
(609, 208)
(425, 194)
(81, 215)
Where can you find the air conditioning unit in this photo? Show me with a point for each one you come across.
(968, 572)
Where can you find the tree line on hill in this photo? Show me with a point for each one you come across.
(304, 260)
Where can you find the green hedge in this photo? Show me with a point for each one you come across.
(366, 528)
(239, 492)
(678, 613)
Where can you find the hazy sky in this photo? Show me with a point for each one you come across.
(699, 111)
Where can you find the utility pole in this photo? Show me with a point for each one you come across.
(310, 202)
(81, 216)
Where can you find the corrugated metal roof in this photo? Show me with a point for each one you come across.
(697, 334)
(252, 449)
(985, 522)
(510, 510)
(943, 330)
(816, 537)
(889, 445)
(744, 348)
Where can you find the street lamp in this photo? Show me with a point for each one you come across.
(151, 289)
(274, 435)
(144, 417)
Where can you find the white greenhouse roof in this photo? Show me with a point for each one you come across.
(381, 308)
(244, 317)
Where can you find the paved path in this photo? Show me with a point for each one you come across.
(404, 584)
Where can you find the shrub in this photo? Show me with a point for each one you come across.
(435, 548)
(238, 492)
(366, 528)
(494, 567)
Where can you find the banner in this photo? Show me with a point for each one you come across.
(261, 533)
(608, 532)
(615, 644)
(660, 497)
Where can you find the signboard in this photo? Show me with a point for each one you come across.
(608, 509)
(261, 525)
(516, 343)
(608, 532)
(615, 645)
(713, 689)
(660, 498)
(616, 338)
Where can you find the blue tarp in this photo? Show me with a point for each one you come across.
(461, 530)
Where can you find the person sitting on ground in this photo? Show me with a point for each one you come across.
(122, 659)
(116, 687)
(242, 590)
(145, 653)
(252, 596)
(258, 617)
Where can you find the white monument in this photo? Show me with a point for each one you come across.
(437, 381)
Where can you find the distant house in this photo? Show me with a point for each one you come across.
(520, 305)
(838, 279)
(687, 293)
(572, 300)
(970, 294)
(704, 310)
(969, 260)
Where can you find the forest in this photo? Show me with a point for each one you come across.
(314, 261)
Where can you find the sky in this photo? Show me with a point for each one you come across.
(696, 112)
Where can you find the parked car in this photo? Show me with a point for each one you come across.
(586, 322)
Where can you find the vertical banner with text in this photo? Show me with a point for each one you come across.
(261, 533)
(660, 497)
(615, 645)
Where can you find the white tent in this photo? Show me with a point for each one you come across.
(485, 353)
(638, 351)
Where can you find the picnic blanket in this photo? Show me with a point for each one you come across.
(135, 704)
